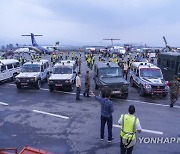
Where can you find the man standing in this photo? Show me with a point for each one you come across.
(106, 114)
(174, 90)
(87, 84)
(130, 124)
(78, 86)
(125, 74)
(79, 64)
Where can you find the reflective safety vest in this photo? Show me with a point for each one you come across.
(128, 130)
(89, 60)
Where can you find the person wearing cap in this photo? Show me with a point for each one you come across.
(106, 114)
(130, 125)
(174, 90)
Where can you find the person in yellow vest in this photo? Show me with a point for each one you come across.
(73, 55)
(89, 61)
(130, 125)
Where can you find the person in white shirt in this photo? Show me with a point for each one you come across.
(78, 86)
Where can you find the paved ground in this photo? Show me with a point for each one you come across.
(74, 127)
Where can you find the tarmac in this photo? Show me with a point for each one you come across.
(56, 122)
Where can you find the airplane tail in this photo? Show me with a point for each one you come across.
(33, 39)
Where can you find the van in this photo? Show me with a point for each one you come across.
(9, 69)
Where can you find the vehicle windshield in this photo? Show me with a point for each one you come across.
(110, 72)
(150, 72)
(62, 70)
(31, 68)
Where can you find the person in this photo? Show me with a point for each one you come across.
(78, 86)
(130, 124)
(79, 64)
(87, 84)
(125, 70)
(106, 114)
(174, 90)
(73, 55)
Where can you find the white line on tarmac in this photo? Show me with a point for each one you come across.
(143, 130)
(142, 102)
(11, 84)
(151, 103)
(61, 91)
(5, 104)
(51, 114)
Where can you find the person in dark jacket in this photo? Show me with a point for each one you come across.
(106, 114)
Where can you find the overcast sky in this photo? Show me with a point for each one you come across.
(89, 21)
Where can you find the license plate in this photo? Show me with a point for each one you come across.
(58, 85)
(116, 92)
(23, 84)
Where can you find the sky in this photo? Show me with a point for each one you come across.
(88, 22)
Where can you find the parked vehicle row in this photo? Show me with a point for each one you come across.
(107, 76)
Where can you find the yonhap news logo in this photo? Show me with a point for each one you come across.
(159, 140)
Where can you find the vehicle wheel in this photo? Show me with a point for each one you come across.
(101, 93)
(132, 82)
(38, 86)
(164, 95)
(51, 89)
(96, 86)
(141, 92)
(71, 88)
(124, 96)
(47, 78)
(14, 77)
(18, 86)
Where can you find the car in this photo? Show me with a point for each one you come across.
(9, 68)
(63, 75)
(148, 78)
(33, 73)
(108, 76)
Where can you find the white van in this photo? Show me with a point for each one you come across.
(9, 68)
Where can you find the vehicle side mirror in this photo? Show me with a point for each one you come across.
(74, 72)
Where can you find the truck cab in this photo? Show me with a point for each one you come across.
(148, 78)
(169, 62)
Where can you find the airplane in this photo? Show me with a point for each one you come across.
(38, 48)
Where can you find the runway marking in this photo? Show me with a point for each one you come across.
(51, 114)
(61, 91)
(5, 104)
(11, 84)
(142, 102)
(143, 130)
